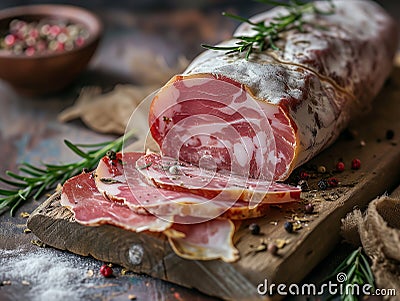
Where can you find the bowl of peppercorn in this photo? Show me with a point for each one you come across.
(43, 48)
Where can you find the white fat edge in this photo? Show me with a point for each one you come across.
(65, 201)
(248, 145)
(260, 141)
(164, 96)
(240, 154)
(191, 83)
(228, 252)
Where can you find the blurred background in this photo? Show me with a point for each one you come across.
(170, 28)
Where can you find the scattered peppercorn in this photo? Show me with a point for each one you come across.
(111, 155)
(389, 134)
(309, 208)
(355, 164)
(304, 175)
(272, 248)
(174, 170)
(333, 182)
(340, 166)
(303, 185)
(106, 271)
(322, 184)
(321, 169)
(288, 227)
(254, 229)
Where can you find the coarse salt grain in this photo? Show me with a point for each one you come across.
(50, 275)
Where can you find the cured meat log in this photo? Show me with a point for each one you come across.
(264, 116)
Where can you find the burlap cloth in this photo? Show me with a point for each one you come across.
(378, 232)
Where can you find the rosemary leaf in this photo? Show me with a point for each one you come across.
(30, 171)
(76, 150)
(47, 177)
(266, 34)
(357, 270)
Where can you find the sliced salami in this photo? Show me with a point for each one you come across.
(264, 116)
(119, 180)
(168, 173)
(90, 207)
(201, 241)
(204, 241)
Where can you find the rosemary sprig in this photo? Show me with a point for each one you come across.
(357, 271)
(267, 34)
(34, 181)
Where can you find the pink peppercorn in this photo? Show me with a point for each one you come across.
(304, 175)
(333, 182)
(106, 271)
(340, 166)
(355, 164)
(9, 40)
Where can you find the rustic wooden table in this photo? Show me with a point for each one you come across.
(29, 131)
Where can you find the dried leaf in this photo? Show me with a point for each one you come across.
(296, 226)
(59, 187)
(24, 214)
(38, 243)
(280, 243)
(260, 248)
(300, 219)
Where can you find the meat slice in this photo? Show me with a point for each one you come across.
(204, 241)
(90, 207)
(169, 173)
(197, 241)
(119, 179)
(264, 116)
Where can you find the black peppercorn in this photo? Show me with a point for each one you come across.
(288, 227)
(111, 155)
(254, 229)
(303, 185)
(389, 134)
(322, 184)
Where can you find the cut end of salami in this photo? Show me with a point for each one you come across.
(218, 124)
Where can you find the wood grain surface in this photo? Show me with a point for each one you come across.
(151, 254)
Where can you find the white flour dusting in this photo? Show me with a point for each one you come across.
(50, 275)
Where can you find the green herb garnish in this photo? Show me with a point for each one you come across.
(357, 271)
(267, 34)
(37, 180)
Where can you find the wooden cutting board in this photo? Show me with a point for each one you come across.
(152, 255)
